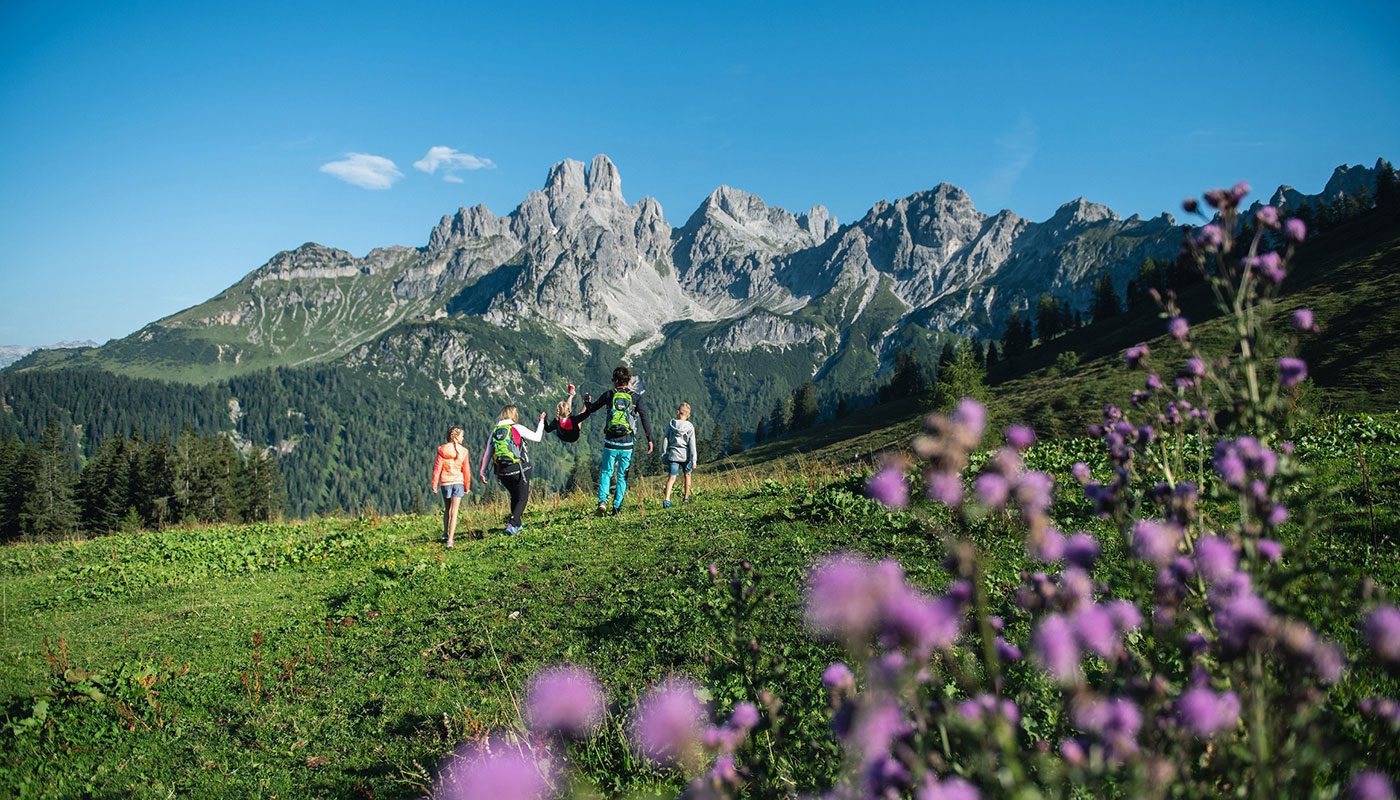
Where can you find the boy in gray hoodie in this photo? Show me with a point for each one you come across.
(680, 452)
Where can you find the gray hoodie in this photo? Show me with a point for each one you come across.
(680, 442)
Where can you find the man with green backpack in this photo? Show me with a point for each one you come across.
(623, 405)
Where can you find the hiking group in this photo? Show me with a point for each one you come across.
(505, 451)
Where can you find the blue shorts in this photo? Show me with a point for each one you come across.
(675, 467)
(451, 490)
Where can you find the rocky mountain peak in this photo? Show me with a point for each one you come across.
(565, 177)
(468, 223)
(819, 222)
(1081, 212)
(602, 177)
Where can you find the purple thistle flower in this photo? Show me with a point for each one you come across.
(1095, 631)
(1217, 198)
(838, 676)
(919, 622)
(1073, 752)
(1370, 785)
(843, 596)
(889, 487)
(1303, 320)
(1125, 614)
(1381, 708)
(1216, 559)
(565, 700)
(1081, 472)
(1267, 266)
(1020, 436)
(946, 488)
(1229, 464)
(875, 730)
(1327, 662)
(971, 416)
(1276, 515)
(497, 769)
(1115, 721)
(1240, 615)
(744, 716)
(1048, 545)
(1239, 191)
(1082, 549)
(1179, 328)
(992, 489)
(1210, 237)
(669, 722)
(1007, 651)
(1381, 627)
(1292, 371)
(1195, 367)
(1034, 493)
(1205, 713)
(1270, 550)
(1135, 355)
(1190, 205)
(951, 788)
(1295, 230)
(1054, 647)
(1155, 542)
(1267, 217)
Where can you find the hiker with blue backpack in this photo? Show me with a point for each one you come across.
(505, 450)
(623, 404)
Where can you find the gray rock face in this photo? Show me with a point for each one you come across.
(1347, 180)
(577, 258)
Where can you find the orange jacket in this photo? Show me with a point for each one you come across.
(450, 466)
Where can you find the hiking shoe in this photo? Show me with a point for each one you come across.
(511, 530)
(665, 503)
(602, 509)
(685, 499)
(616, 510)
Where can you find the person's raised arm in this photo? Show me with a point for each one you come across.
(589, 408)
(531, 435)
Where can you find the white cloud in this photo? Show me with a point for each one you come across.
(1018, 147)
(450, 160)
(364, 170)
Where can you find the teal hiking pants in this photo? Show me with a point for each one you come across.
(618, 460)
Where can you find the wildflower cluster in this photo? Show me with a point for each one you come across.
(1219, 688)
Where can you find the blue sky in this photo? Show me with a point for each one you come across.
(150, 156)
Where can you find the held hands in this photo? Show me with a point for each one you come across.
(541, 417)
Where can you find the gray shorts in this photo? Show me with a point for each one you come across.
(451, 490)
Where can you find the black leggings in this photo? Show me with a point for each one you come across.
(518, 486)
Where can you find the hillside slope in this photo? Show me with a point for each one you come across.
(1349, 277)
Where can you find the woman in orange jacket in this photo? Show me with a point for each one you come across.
(451, 477)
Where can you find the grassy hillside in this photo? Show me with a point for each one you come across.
(344, 657)
(1350, 278)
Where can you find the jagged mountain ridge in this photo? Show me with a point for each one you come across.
(576, 259)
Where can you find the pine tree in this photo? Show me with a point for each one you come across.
(778, 420)
(804, 406)
(1047, 317)
(1387, 185)
(962, 378)
(105, 486)
(16, 476)
(50, 510)
(991, 355)
(260, 495)
(1106, 305)
(843, 406)
(581, 477)
(947, 355)
(719, 442)
(736, 441)
(761, 431)
(1013, 342)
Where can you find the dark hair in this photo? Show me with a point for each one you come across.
(622, 376)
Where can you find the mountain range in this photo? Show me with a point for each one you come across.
(730, 310)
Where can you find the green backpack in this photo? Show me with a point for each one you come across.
(620, 420)
(506, 453)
